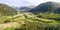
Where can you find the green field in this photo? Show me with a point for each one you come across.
(29, 21)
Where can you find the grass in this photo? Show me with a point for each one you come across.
(32, 22)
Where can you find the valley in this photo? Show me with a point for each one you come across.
(40, 17)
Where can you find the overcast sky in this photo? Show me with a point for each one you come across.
(25, 2)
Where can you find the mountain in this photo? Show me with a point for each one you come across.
(47, 7)
(23, 8)
(6, 10)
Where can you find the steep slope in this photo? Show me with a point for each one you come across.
(6, 10)
(47, 7)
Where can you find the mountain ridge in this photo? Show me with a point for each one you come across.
(46, 7)
(6, 10)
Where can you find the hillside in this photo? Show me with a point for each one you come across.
(29, 21)
(6, 10)
(48, 7)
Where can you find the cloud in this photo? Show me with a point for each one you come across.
(25, 2)
(37, 2)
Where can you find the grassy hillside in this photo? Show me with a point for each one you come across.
(29, 21)
(51, 16)
(6, 10)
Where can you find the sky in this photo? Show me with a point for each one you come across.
(18, 3)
